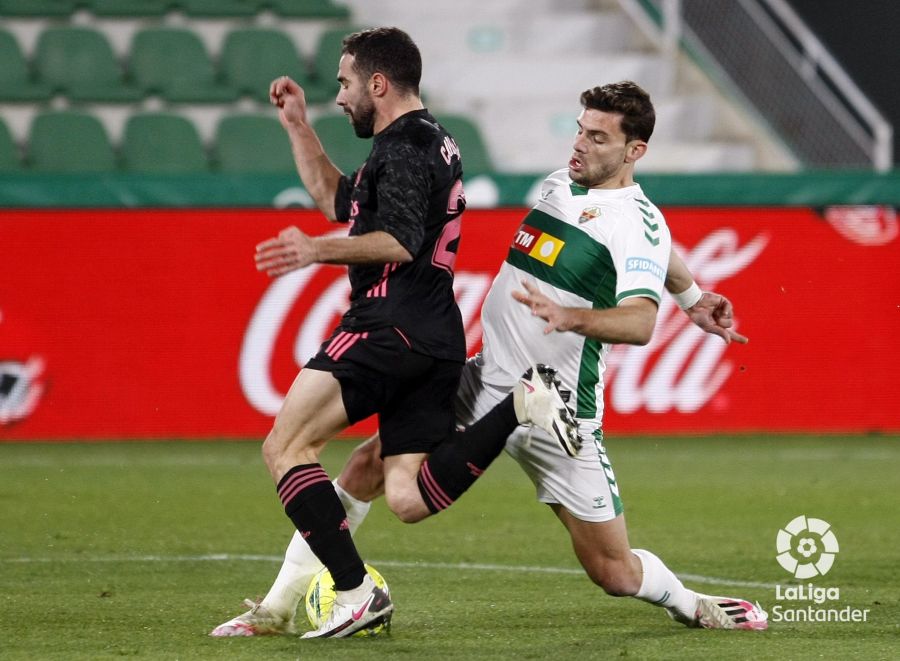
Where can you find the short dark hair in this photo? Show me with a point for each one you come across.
(629, 100)
(389, 51)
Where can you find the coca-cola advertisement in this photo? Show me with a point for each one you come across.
(121, 324)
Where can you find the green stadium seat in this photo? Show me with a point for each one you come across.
(220, 8)
(309, 8)
(341, 144)
(9, 151)
(16, 83)
(37, 8)
(69, 141)
(162, 143)
(130, 8)
(174, 63)
(475, 157)
(80, 63)
(252, 58)
(325, 64)
(252, 143)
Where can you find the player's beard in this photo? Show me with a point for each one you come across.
(363, 119)
(595, 176)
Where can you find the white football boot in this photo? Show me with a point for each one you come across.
(539, 401)
(258, 621)
(346, 618)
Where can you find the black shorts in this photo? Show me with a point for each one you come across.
(412, 393)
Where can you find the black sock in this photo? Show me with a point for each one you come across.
(311, 503)
(455, 465)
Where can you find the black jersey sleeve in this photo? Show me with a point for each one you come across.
(342, 197)
(403, 194)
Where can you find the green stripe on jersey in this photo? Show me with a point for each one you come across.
(649, 293)
(583, 267)
(588, 378)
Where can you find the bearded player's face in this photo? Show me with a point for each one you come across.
(355, 99)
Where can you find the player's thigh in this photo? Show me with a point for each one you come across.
(312, 412)
(595, 540)
(603, 550)
(420, 413)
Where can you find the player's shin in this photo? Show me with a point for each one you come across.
(311, 502)
(301, 564)
(457, 462)
(661, 587)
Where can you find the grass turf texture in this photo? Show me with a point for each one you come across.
(116, 550)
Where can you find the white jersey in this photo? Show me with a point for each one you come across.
(582, 248)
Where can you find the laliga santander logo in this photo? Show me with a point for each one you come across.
(688, 373)
(806, 547)
(20, 378)
(688, 369)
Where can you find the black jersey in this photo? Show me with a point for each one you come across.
(411, 188)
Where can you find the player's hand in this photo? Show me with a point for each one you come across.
(714, 314)
(555, 315)
(290, 98)
(290, 250)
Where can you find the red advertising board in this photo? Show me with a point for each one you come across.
(155, 323)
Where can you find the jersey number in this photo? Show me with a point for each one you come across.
(444, 257)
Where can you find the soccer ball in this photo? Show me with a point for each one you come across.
(320, 599)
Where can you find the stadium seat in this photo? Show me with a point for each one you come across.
(341, 144)
(69, 141)
(325, 64)
(309, 8)
(9, 152)
(37, 8)
(174, 63)
(80, 63)
(252, 143)
(16, 83)
(475, 157)
(220, 8)
(162, 143)
(253, 57)
(130, 8)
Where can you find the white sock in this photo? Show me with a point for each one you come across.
(301, 564)
(661, 587)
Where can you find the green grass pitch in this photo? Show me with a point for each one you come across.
(135, 549)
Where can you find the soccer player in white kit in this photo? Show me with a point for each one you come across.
(585, 270)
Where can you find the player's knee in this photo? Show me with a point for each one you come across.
(271, 450)
(616, 578)
(407, 506)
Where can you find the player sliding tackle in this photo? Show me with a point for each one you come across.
(585, 270)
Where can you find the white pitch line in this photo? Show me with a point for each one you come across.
(457, 566)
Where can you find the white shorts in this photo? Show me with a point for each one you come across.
(584, 485)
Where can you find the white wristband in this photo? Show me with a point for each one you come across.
(689, 297)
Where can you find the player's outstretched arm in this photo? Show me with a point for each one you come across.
(631, 322)
(319, 175)
(710, 311)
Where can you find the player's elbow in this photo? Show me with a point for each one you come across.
(642, 336)
(642, 329)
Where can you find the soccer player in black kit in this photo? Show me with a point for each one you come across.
(399, 349)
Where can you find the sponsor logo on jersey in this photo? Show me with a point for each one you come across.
(590, 213)
(537, 244)
(644, 265)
